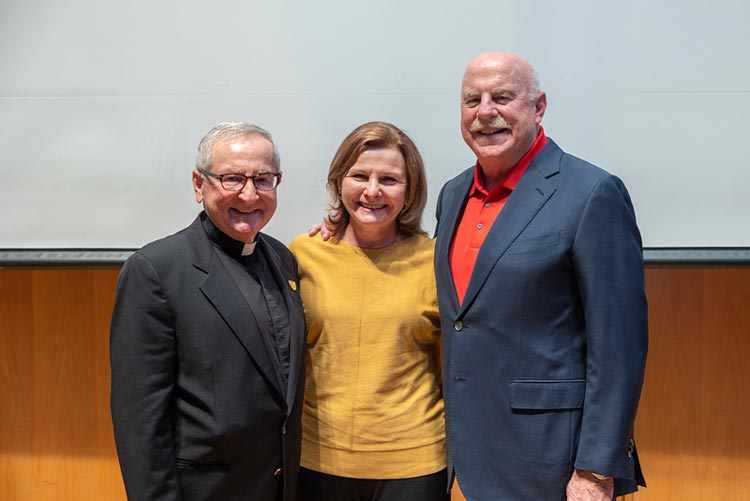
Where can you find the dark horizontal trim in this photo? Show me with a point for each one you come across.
(63, 258)
(109, 258)
(701, 256)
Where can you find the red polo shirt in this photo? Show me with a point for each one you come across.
(482, 208)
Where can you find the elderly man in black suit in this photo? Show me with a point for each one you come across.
(207, 341)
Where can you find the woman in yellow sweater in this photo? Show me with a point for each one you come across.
(373, 425)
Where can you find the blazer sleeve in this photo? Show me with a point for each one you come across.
(144, 363)
(608, 262)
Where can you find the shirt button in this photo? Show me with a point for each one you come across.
(479, 226)
(277, 472)
(487, 204)
(458, 325)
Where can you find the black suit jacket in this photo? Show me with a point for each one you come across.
(197, 405)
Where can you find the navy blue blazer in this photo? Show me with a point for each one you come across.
(544, 359)
(199, 410)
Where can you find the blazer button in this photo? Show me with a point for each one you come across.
(283, 429)
(458, 326)
(277, 472)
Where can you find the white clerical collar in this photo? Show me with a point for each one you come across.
(249, 248)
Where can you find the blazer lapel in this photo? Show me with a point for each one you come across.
(296, 327)
(529, 196)
(449, 217)
(222, 292)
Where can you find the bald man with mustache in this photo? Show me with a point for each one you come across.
(540, 280)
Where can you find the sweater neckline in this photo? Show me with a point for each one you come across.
(372, 254)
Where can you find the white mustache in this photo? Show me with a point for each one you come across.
(495, 123)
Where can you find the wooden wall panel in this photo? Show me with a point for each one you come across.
(692, 427)
(56, 442)
(56, 433)
(16, 386)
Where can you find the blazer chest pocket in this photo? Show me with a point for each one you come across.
(548, 394)
(534, 243)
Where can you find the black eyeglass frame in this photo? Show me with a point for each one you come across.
(220, 177)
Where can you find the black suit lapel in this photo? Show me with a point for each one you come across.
(290, 290)
(223, 293)
(244, 321)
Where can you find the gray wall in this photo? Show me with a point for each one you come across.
(102, 104)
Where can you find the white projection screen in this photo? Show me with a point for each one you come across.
(102, 104)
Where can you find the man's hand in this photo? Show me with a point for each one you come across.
(321, 228)
(584, 486)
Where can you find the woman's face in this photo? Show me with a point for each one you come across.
(373, 191)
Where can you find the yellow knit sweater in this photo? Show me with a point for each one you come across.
(373, 405)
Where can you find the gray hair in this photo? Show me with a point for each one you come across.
(535, 87)
(230, 130)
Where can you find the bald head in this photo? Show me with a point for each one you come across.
(498, 60)
(501, 111)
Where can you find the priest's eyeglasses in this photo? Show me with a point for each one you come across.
(263, 181)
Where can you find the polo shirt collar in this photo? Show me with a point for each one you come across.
(510, 181)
